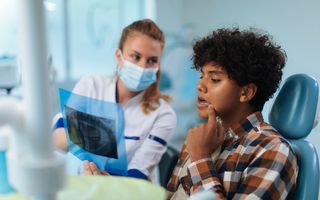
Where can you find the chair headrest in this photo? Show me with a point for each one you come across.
(294, 112)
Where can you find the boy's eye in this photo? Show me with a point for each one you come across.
(215, 80)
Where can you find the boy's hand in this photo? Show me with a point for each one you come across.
(91, 169)
(204, 139)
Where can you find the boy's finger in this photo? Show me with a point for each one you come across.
(211, 117)
(220, 130)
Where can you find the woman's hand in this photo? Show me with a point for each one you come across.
(204, 139)
(91, 168)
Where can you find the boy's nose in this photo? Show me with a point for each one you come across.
(201, 88)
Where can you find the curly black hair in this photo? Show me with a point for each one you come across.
(247, 56)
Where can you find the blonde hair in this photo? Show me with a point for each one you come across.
(151, 98)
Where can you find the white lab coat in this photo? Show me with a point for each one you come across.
(145, 135)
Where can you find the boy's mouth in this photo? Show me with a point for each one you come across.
(202, 103)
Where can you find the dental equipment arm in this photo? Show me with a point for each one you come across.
(33, 167)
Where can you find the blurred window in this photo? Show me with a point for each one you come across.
(82, 34)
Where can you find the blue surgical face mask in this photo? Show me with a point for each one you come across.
(135, 77)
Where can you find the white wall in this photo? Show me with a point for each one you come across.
(294, 24)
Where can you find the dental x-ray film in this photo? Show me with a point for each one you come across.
(92, 133)
(95, 131)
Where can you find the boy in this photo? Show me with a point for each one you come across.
(238, 156)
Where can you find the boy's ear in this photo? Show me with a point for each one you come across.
(248, 92)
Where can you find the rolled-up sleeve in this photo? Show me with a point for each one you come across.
(204, 176)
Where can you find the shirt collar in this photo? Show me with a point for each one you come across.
(136, 99)
(245, 125)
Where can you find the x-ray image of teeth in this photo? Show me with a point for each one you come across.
(94, 134)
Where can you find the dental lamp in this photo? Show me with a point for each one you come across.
(33, 167)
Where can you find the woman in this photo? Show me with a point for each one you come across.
(149, 119)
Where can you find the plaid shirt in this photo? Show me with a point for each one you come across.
(256, 163)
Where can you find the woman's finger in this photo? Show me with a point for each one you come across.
(94, 169)
(104, 173)
(87, 169)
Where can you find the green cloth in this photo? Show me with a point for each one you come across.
(104, 187)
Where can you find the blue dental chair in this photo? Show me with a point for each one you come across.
(167, 164)
(293, 114)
